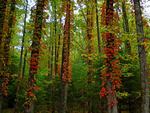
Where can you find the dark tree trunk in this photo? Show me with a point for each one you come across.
(142, 58)
(3, 4)
(20, 77)
(126, 27)
(5, 44)
(23, 38)
(24, 63)
(55, 31)
(98, 30)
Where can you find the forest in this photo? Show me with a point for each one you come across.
(74, 56)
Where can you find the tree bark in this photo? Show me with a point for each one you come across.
(142, 58)
(65, 69)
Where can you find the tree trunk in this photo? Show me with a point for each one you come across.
(98, 30)
(142, 58)
(20, 77)
(55, 31)
(1, 102)
(35, 53)
(90, 46)
(64, 95)
(23, 38)
(111, 73)
(126, 27)
(24, 63)
(7, 40)
(2, 18)
(66, 69)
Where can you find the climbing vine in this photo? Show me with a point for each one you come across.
(111, 73)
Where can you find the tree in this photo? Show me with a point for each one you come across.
(20, 71)
(126, 26)
(90, 45)
(35, 53)
(142, 58)
(98, 29)
(111, 72)
(6, 30)
(66, 62)
(2, 18)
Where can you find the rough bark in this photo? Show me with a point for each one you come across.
(65, 69)
(142, 58)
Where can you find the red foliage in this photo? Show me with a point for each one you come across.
(103, 92)
(111, 73)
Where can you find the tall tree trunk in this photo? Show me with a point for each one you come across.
(24, 63)
(90, 45)
(50, 60)
(23, 38)
(58, 54)
(142, 58)
(7, 40)
(2, 17)
(20, 77)
(98, 30)
(65, 69)
(111, 73)
(126, 27)
(111, 98)
(55, 31)
(50, 64)
(3, 4)
(35, 53)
